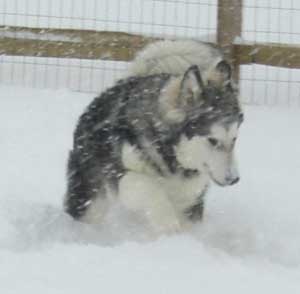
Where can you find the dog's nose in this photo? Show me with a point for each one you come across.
(233, 181)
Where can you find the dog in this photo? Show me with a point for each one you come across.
(154, 143)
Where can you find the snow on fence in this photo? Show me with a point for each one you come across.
(86, 45)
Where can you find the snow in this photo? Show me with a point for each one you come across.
(249, 241)
(7, 33)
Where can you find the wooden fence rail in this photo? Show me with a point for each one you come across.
(67, 43)
(118, 46)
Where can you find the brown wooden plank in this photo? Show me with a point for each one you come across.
(229, 27)
(283, 55)
(229, 22)
(63, 43)
(120, 46)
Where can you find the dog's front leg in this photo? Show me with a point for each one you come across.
(145, 194)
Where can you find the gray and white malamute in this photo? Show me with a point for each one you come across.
(154, 143)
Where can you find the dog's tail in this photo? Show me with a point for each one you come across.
(174, 57)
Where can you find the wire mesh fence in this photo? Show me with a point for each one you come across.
(149, 17)
(263, 21)
(271, 21)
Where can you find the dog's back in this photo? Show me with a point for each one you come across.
(95, 161)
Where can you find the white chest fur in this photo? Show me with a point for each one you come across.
(180, 192)
(163, 200)
(185, 192)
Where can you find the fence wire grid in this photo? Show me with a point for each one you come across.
(263, 21)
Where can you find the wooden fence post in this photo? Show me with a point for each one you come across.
(228, 28)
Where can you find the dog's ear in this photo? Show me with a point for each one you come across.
(191, 86)
(182, 95)
(221, 74)
(224, 70)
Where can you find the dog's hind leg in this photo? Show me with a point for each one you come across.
(144, 194)
(84, 189)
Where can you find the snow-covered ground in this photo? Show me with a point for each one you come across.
(249, 241)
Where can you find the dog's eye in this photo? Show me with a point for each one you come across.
(213, 141)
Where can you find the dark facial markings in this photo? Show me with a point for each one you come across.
(213, 141)
(241, 117)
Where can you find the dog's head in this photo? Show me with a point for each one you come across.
(209, 115)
